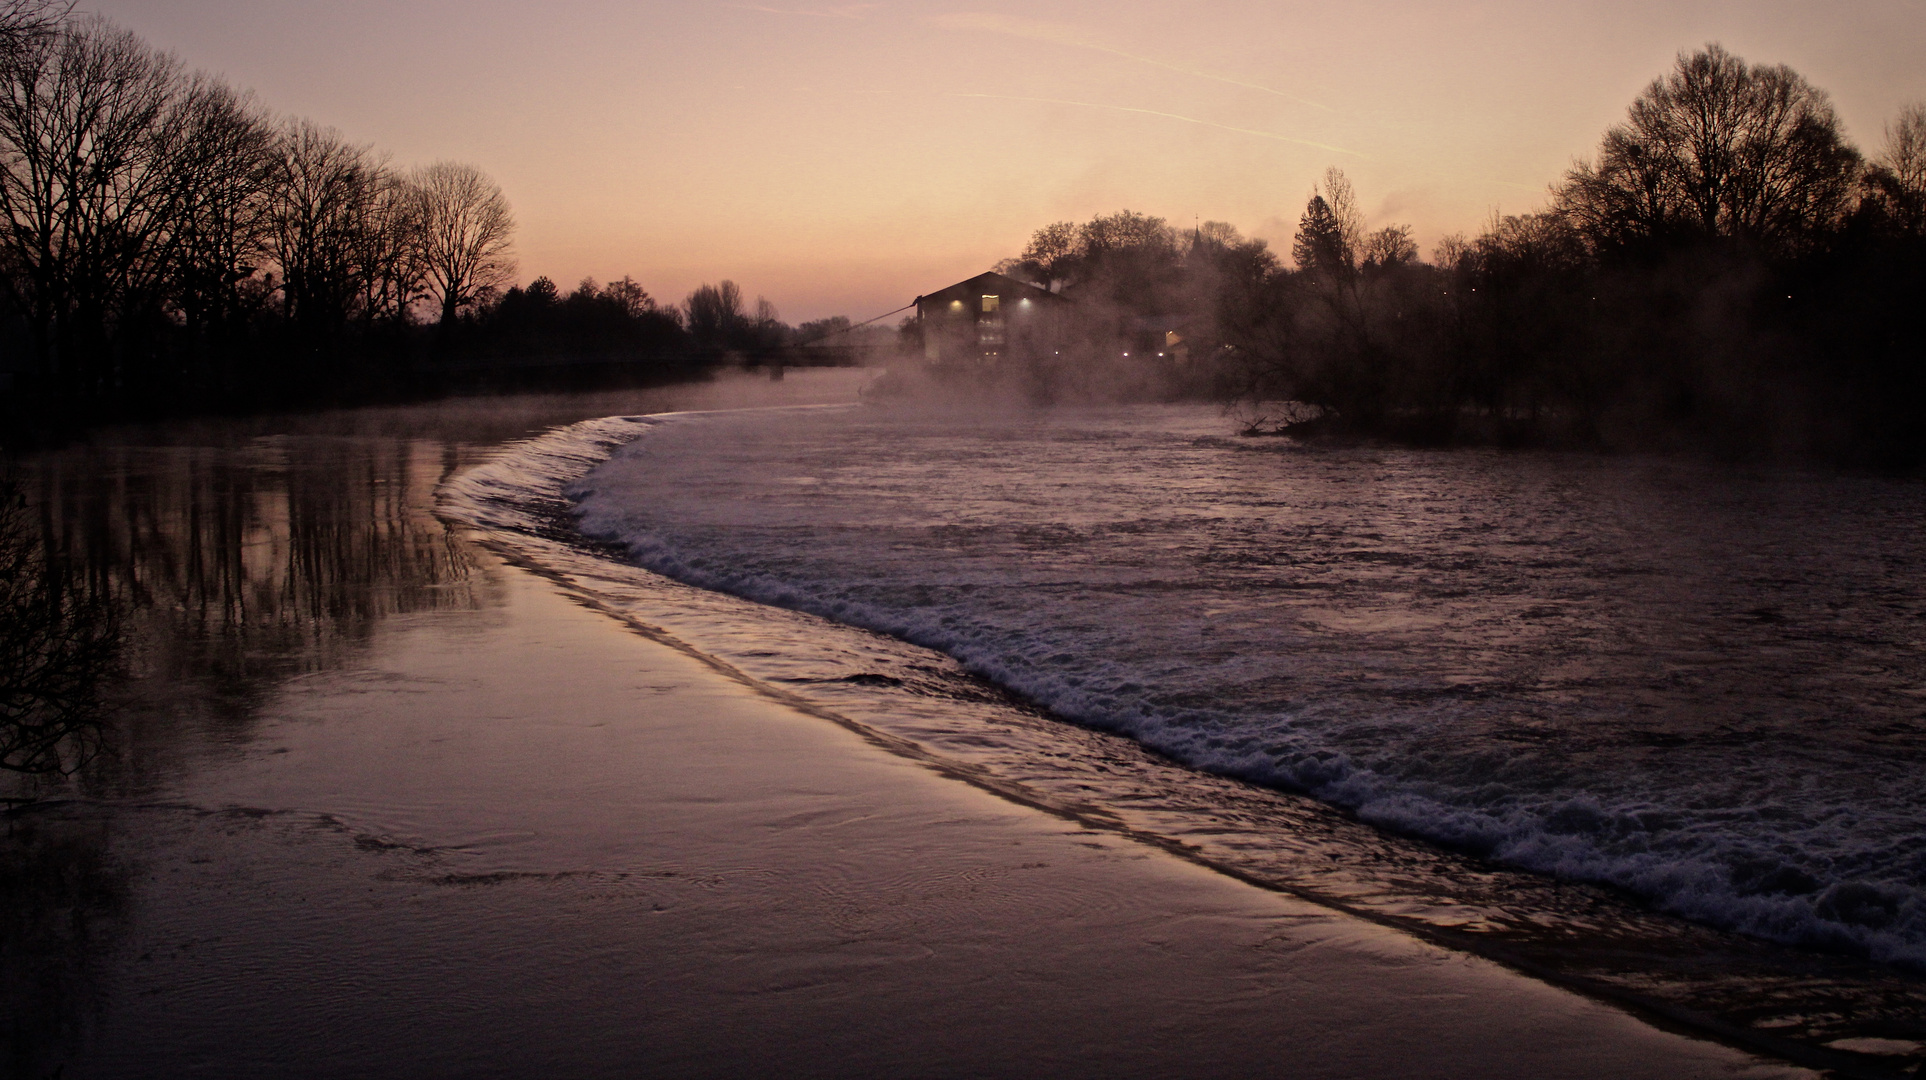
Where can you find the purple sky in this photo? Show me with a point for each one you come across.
(840, 158)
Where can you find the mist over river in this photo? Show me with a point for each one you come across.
(1695, 682)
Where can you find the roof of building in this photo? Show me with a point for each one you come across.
(992, 284)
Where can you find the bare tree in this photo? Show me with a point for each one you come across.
(1344, 210)
(1389, 248)
(85, 181)
(634, 300)
(221, 227)
(1124, 231)
(1049, 257)
(1899, 175)
(714, 314)
(1349, 308)
(1905, 152)
(769, 331)
(1717, 149)
(390, 256)
(465, 231)
(21, 21)
(326, 197)
(1330, 235)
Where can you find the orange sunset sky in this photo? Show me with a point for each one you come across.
(840, 158)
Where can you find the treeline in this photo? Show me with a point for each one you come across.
(1727, 274)
(163, 238)
(167, 245)
(712, 325)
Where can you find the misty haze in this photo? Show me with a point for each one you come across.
(730, 540)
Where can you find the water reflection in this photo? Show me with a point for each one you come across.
(249, 552)
(240, 563)
(59, 645)
(246, 564)
(245, 554)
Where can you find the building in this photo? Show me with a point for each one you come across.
(986, 319)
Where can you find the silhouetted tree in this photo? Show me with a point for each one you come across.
(1516, 340)
(1389, 248)
(1126, 260)
(1330, 233)
(617, 321)
(714, 315)
(632, 298)
(84, 183)
(465, 230)
(1050, 258)
(222, 228)
(1898, 177)
(163, 243)
(1724, 276)
(1319, 246)
(833, 330)
(1717, 149)
(767, 331)
(391, 253)
(1905, 152)
(1229, 279)
(1130, 261)
(322, 204)
(1343, 355)
(23, 20)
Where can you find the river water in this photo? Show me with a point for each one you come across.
(1694, 688)
(202, 898)
(1506, 703)
(1701, 684)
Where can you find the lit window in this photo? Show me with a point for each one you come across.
(989, 325)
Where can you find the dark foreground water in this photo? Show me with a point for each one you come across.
(188, 905)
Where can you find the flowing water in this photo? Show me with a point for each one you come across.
(1652, 727)
(1591, 718)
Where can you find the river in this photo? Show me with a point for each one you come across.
(373, 803)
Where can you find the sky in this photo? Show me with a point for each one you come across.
(841, 158)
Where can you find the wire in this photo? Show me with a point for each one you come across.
(852, 326)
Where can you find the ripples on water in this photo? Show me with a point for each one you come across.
(1695, 683)
(1698, 683)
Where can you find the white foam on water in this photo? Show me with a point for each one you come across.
(1692, 683)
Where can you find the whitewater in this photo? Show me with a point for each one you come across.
(1699, 683)
(1625, 723)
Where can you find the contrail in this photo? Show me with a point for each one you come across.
(1169, 116)
(1068, 35)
